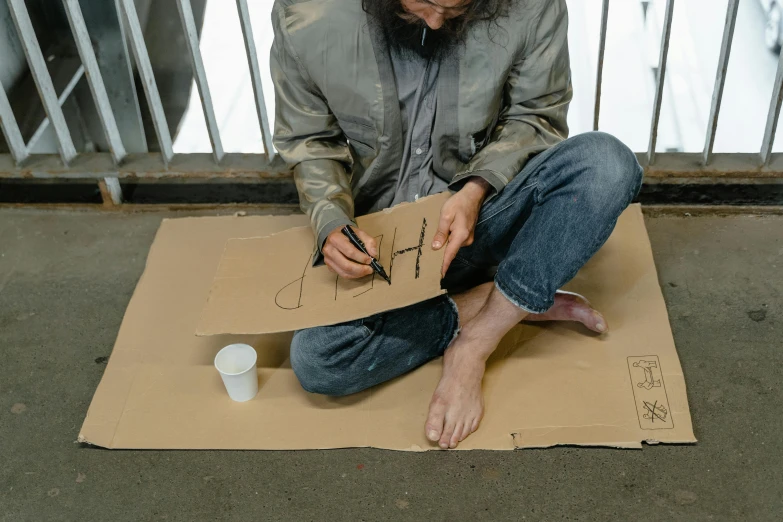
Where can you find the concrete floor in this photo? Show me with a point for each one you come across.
(65, 279)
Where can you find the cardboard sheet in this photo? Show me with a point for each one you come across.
(547, 384)
(269, 284)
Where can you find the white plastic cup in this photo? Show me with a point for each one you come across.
(236, 364)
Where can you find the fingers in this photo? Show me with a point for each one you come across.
(456, 241)
(344, 259)
(346, 248)
(444, 226)
(454, 231)
(343, 266)
(369, 242)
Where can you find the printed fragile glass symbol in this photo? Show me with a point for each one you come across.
(655, 411)
(649, 380)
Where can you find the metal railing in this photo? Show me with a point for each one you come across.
(765, 156)
(108, 169)
(121, 164)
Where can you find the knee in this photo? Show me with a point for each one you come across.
(611, 166)
(312, 366)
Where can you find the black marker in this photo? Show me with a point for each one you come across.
(355, 241)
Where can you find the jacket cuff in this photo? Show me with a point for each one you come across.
(497, 181)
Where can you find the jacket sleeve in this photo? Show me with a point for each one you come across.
(308, 138)
(535, 106)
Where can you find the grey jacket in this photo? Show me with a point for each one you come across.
(502, 97)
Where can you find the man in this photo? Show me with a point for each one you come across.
(385, 101)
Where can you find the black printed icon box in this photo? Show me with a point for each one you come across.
(649, 391)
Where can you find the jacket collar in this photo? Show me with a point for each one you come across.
(391, 141)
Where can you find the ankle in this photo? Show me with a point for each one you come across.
(466, 361)
(477, 333)
(471, 350)
(469, 303)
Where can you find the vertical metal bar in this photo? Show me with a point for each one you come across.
(13, 137)
(111, 192)
(43, 80)
(600, 73)
(255, 75)
(94, 78)
(774, 114)
(667, 32)
(144, 66)
(720, 79)
(200, 74)
(105, 27)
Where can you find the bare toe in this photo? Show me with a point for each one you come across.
(434, 425)
(466, 430)
(457, 436)
(448, 431)
(595, 321)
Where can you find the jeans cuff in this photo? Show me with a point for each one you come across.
(519, 302)
(456, 328)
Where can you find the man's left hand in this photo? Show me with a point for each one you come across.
(458, 219)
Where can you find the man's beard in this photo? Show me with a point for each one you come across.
(408, 35)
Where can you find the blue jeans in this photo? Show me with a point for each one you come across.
(538, 232)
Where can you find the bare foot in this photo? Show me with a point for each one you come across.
(457, 405)
(572, 307)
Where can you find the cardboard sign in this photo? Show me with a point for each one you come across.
(269, 284)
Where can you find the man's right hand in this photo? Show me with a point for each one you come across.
(346, 260)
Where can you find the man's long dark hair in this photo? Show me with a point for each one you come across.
(405, 31)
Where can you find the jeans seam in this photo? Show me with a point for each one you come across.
(638, 187)
(516, 301)
(539, 168)
(540, 187)
(596, 244)
(367, 331)
(456, 327)
(461, 259)
(509, 205)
